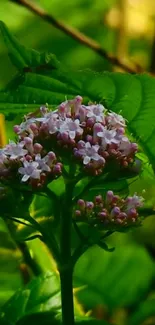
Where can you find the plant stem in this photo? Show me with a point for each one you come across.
(66, 268)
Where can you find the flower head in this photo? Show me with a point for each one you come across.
(15, 151)
(110, 212)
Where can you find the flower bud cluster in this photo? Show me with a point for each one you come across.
(88, 134)
(109, 212)
(27, 161)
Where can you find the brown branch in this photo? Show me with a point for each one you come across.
(77, 35)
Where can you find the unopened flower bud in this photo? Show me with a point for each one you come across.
(16, 128)
(89, 205)
(115, 211)
(98, 199)
(51, 156)
(37, 148)
(81, 204)
(109, 196)
(77, 213)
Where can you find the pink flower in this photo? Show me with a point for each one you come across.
(89, 152)
(108, 137)
(30, 170)
(134, 202)
(96, 111)
(14, 150)
(71, 127)
(42, 163)
(115, 120)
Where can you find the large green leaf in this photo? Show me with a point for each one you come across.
(41, 294)
(133, 95)
(10, 259)
(114, 280)
(144, 312)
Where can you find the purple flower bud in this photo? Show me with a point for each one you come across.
(81, 144)
(122, 215)
(89, 138)
(134, 147)
(16, 128)
(33, 127)
(119, 221)
(79, 99)
(90, 122)
(109, 196)
(28, 141)
(115, 211)
(62, 108)
(132, 213)
(78, 213)
(81, 204)
(89, 205)
(121, 131)
(98, 199)
(64, 136)
(82, 113)
(37, 148)
(57, 169)
(102, 215)
(28, 158)
(51, 156)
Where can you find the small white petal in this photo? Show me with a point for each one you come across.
(86, 160)
(25, 178)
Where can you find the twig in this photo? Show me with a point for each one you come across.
(77, 35)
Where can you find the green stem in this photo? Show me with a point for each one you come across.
(66, 268)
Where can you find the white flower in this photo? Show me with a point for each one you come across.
(25, 126)
(30, 170)
(71, 127)
(96, 111)
(125, 146)
(134, 202)
(115, 120)
(15, 150)
(42, 163)
(89, 153)
(53, 123)
(108, 137)
(47, 116)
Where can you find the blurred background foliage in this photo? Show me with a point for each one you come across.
(126, 29)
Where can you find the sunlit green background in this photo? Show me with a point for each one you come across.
(126, 29)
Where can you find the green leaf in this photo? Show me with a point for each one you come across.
(41, 294)
(90, 321)
(145, 311)
(115, 280)
(22, 57)
(10, 259)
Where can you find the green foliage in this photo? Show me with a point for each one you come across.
(115, 280)
(42, 294)
(145, 311)
(10, 259)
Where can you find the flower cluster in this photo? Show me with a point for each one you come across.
(88, 135)
(25, 159)
(110, 212)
